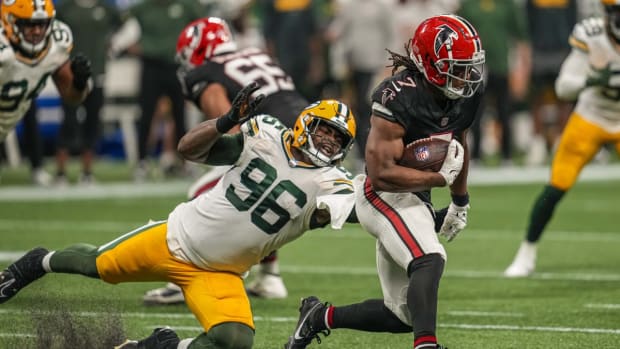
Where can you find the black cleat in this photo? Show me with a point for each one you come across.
(305, 331)
(21, 273)
(161, 338)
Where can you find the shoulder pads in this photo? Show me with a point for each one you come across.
(585, 31)
(62, 36)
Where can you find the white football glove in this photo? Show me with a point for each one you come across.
(454, 222)
(453, 163)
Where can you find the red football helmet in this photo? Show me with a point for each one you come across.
(203, 39)
(448, 51)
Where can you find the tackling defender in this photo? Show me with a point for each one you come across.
(283, 183)
(212, 71)
(591, 75)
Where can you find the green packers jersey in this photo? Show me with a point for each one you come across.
(265, 200)
(593, 47)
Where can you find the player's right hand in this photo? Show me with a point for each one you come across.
(453, 163)
(454, 221)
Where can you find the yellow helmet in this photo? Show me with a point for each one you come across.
(17, 15)
(333, 113)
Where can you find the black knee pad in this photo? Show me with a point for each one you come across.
(228, 335)
(433, 260)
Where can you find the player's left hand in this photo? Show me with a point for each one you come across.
(454, 221)
(241, 108)
(80, 66)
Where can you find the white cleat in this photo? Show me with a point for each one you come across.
(537, 153)
(267, 286)
(167, 295)
(524, 263)
(41, 178)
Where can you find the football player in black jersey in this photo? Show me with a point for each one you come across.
(213, 70)
(435, 95)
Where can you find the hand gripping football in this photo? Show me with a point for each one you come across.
(426, 154)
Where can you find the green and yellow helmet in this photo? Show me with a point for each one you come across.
(19, 14)
(332, 113)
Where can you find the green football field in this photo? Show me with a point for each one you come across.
(573, 301)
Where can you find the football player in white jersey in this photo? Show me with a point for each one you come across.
(591, 75)
(212, 71)
(33, 46)
(283, 183)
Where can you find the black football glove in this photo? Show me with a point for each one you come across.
(193, 82)
(80, 66)
(241, 109)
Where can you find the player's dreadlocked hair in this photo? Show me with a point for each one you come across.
(399, 60)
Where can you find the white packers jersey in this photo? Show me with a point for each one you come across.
(23, 80)
(598, 104)
(264, 201)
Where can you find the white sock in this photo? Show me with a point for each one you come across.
(46, 262)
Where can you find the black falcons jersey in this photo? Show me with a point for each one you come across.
(236, 70)
(407, 98)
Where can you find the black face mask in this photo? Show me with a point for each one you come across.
(613, 21)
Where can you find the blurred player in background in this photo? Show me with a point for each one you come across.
(213, 70)
(283, 183)
(437, 94)
(590, 75)
(93, 21)
(33, 46)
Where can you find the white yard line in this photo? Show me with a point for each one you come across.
(9, 256)
(468, 326)
(476, 234)
(603, 306)
(532, 328)
(483, 313)
(477, 176)
(100, 191)
(465, 326)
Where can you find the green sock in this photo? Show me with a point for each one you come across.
(542, 211)
(76, 259)
(225, 335)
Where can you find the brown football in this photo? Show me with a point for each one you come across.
(426, 154)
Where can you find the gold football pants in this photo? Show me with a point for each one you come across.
(142, 255)
(580, 142)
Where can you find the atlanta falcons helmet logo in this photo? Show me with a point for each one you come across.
(445, 36)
